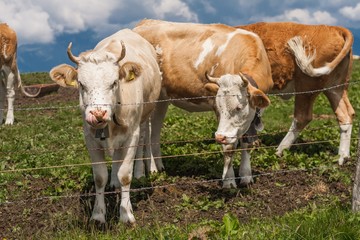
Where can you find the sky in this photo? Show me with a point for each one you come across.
(45, 27)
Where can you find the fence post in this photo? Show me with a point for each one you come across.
(356, 190)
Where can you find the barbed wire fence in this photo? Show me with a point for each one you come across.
(5, 171)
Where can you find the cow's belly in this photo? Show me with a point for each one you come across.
(286, 92)
(193, 107)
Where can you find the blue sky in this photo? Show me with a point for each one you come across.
(45, 27)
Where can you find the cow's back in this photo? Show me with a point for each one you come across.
(327, 41)
(189, 50)
(8, 44)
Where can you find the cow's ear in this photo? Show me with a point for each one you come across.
(212, 88)
(257, 98)
(129, 71)
(64, 75)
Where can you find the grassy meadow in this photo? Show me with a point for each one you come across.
(43, 156)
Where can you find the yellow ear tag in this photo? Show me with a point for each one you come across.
(72, 83)
(131, 76)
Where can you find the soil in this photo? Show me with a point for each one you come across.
(31, 214)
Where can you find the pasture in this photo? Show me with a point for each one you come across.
(46, 186)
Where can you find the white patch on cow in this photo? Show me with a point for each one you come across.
(304, 61)
(158, 50)
(207, 47)
(289, 139)
(222, 48)
(345, 141)
(245, 32)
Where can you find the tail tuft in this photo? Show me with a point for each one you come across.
(303, 60)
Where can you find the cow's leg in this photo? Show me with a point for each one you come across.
(10, 95)
(150, 162)
(228, 175)
(344, 113)
(157, 120)
(302, 116)
(245, 173)
(125, 175)
(100, 175)
(2, 96)
(139, 165)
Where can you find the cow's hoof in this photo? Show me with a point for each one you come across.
(9, 122)
(246, 181)
(343, 160)
(279, 153)
(227, 184)
(126, 216)
(98, 218)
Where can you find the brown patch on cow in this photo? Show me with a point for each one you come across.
(125, 180)
(212, 88)
(129, 71)
(258, 99)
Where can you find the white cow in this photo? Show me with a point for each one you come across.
(114, 80)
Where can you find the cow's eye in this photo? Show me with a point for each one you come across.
(238, 108)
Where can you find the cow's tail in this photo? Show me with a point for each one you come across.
(304, 60)
(18, 77)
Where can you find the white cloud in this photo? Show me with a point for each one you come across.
(304, 16)
(166, 8)
(352, 13)
(40, 21)
(31, 23)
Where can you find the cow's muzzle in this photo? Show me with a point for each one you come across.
(97, 118)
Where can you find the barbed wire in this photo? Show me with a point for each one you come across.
(187, 98)
(141, 189)
(160, 157)
(258, 135)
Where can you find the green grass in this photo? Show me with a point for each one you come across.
(55, 139)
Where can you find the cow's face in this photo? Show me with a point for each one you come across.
(98, 84)
(236, 103)
(97, 77)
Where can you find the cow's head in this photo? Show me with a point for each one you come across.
(97, 76)
(236, 103)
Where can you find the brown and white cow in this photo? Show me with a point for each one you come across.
(200, 61)
(319, 59)
(118, 81)
(9, 73)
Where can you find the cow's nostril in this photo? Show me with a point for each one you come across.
(220, 138)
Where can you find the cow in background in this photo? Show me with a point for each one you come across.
(9, 72)
(319, 60)
(118, 82)
(200, 62)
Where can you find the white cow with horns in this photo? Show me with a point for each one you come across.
(118, 82)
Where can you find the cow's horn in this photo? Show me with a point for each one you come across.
(245, 80)
(211, 79)
(73, 58)
(123, 52)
